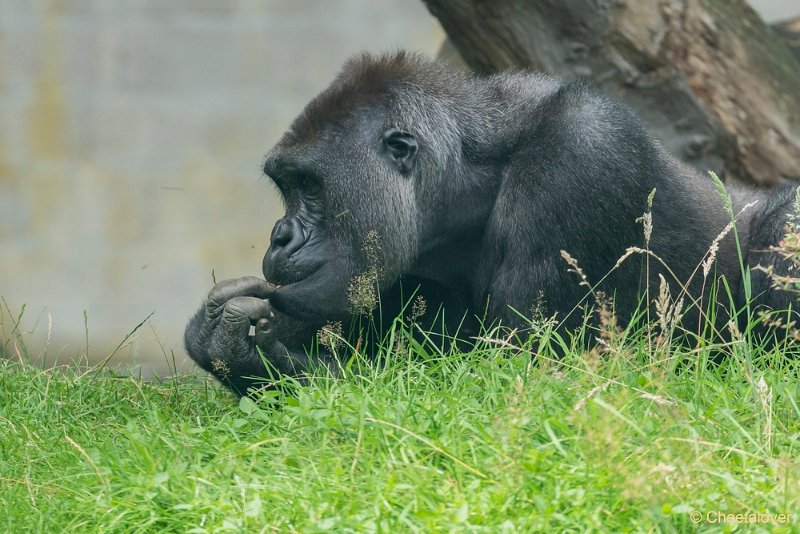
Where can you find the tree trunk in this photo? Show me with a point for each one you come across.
(709, 78)
(789, 31)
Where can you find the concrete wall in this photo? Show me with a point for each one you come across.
(776, 10)
(131, 135)
(131, 138)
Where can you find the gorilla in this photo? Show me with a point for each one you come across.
(407, 178)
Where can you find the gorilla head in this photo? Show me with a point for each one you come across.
(408, 176)
(371, 172)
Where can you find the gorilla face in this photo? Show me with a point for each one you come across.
(299, 245)
(350, 211)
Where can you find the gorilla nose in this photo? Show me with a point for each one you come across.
(287, 238)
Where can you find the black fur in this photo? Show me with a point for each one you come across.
(406, 175)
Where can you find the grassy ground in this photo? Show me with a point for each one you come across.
(635, 439)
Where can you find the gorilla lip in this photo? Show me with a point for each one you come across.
(278, 285)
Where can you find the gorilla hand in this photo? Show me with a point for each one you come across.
(218, 336)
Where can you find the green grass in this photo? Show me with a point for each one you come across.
(634, 439)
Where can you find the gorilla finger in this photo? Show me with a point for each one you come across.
(231, 347)
(250, 286)
(263, 333)
(246, 310)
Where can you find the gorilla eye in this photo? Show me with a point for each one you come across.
(401, 148)
(309, 184)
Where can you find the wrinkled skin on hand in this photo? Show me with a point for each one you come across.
(219, 335)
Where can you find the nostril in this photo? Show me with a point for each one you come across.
(295, 243)
(287, 237)
(282, 234)
(281, 240)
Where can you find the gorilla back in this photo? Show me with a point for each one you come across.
(407, 176)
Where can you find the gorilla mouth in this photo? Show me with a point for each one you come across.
(281, 279)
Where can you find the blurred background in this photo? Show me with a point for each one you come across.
(131, 139)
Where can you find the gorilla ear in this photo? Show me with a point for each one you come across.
(401, 147)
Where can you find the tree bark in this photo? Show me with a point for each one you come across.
(709, 78)
(789, 31)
